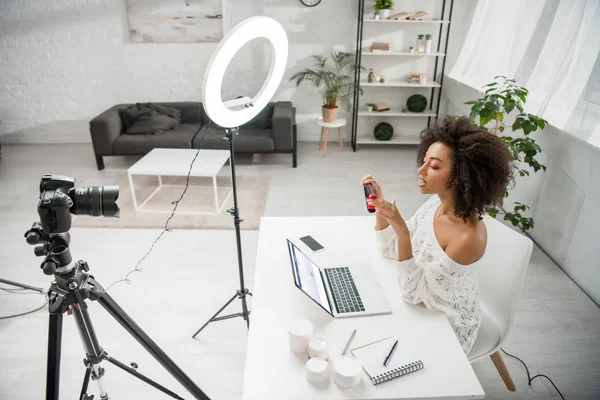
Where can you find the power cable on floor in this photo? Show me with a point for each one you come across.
(166, 228)
(529, 376)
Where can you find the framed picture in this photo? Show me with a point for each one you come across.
(178, 21)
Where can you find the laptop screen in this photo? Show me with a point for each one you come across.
(307, 277)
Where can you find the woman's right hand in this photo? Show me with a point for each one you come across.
(369, 179)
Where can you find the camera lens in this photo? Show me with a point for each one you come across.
(95, 201)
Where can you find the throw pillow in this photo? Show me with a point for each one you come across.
(148, 118)
(151, 123)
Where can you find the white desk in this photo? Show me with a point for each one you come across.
(273, 372)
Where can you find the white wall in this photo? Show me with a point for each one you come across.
(63, 62)
(564, 200)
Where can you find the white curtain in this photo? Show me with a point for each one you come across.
(566, 61)
(549, 46)
(496, 41)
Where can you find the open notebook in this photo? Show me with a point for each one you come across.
(402, 361)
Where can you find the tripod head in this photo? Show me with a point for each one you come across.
(54, 247)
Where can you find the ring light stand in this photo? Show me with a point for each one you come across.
(234, 113)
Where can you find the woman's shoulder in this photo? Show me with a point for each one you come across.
(468, 245)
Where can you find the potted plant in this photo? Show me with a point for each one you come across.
(383, 8)
(421, 43)
(428, 43)
(335, 82)
(370, 107)
(501, 98)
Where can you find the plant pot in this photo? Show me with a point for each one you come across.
(428, 46)
(370, 108)
(329, 114)
(420, 45)
(384, 13)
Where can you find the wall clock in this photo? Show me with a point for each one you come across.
(310, 3)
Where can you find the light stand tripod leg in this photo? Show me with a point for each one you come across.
(214, 316)
(53, 362)
(134, 330)
(242, 292)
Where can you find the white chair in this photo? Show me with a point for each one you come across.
(501, 275)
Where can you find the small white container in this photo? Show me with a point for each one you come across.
(384, 13)
(300, 332)
(347, 372)
(316, 370)
(317, 347)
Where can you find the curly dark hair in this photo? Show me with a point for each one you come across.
(482, 165)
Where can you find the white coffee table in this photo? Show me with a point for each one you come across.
(176, 162)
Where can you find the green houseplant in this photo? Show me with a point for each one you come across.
(383, 8)
(428, 42)
(421, 43)
(335, 82)
(501, 98)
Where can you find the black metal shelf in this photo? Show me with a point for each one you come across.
(446, 22)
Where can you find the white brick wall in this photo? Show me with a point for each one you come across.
(62, 62)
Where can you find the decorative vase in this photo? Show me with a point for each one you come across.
(420, 45)
(428, 46)
(329, 114)
(384, 13)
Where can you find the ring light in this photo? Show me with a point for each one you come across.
(244, 32)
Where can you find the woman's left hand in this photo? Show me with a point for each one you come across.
(390, 213)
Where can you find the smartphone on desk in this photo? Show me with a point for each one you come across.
(312, 243)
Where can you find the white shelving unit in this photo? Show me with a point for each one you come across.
(395, 114)
(366, 52)
(401, 84)
(403, 21)
(395, 90)
(394, 140)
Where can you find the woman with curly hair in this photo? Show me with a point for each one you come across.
(437, 250)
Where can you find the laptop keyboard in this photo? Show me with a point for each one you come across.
(345, 294)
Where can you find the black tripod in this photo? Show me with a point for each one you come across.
(68, 292)
(243, 291)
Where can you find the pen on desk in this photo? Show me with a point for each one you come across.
(349, 341)
(389, 355)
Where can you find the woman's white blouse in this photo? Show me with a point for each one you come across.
(431, 277)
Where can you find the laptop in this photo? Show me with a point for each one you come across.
(345, 291)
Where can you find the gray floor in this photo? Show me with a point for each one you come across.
(191, 273)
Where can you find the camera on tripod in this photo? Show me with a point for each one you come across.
(73, 285)
(59, 198)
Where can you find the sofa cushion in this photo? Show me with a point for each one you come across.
(181, 137)
(248, 140)
(149, 118)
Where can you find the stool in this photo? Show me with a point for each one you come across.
(325, 130)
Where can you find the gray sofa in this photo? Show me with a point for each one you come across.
(273, 130)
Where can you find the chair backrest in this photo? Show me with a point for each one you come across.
(501, 272)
